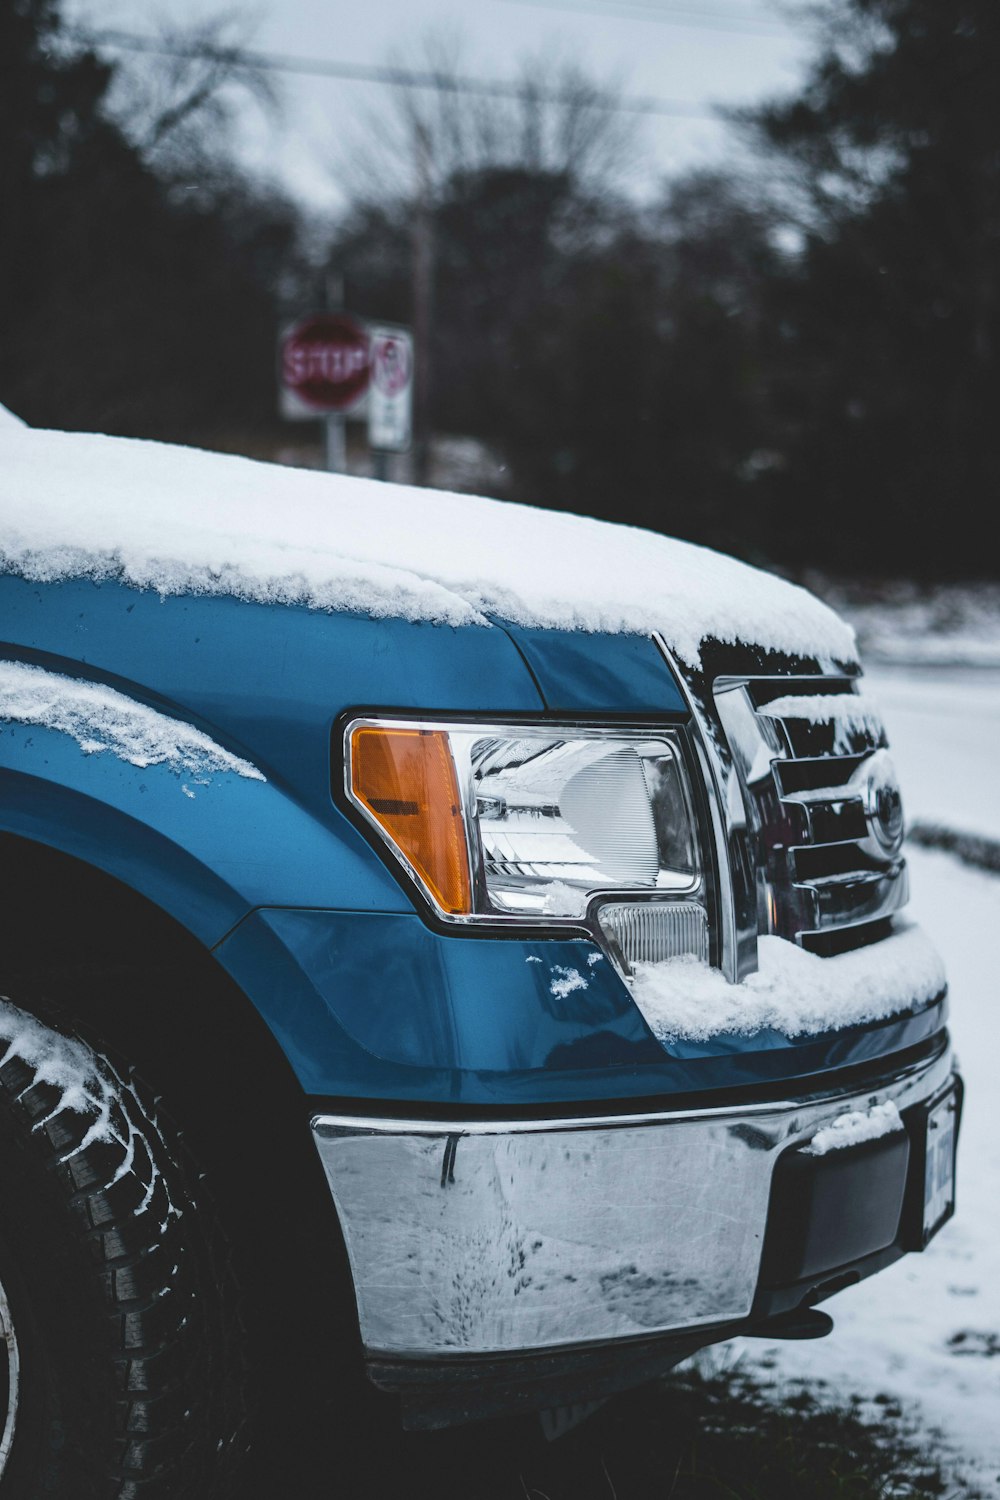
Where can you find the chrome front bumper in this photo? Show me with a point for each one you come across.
(495, 1237)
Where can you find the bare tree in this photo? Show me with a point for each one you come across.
(440, 117)
(175, 98)
(439, 121)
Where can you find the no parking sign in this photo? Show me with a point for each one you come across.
(390, 389)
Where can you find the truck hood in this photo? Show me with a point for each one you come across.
(181, 521)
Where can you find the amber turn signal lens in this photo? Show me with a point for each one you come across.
(406, 780)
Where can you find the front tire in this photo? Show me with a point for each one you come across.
(123, 1368)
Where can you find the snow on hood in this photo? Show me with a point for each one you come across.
(9, 420)
(183, 521)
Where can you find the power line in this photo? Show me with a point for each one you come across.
(413, 78)
(636, 10)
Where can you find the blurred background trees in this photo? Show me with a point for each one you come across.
(138, 275)
(889, 388)
(797, 360)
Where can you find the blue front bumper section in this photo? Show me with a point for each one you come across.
(378, 1006)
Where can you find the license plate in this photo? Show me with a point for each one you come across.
(939, 1164)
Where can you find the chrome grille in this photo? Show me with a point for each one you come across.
(823, 813)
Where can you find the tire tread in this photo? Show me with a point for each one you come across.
(141, 1212)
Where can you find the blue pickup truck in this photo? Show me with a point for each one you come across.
(453, 963)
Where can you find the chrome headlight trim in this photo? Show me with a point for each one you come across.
(731, 842)
(584, 923)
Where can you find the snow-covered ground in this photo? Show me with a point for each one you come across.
(927, 1331)
(902, 623)
(944, 731)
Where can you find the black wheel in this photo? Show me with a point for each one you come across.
(123, 1368)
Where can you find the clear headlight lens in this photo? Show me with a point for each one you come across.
(560, 818)
(531, 822)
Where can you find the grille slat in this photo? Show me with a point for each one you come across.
(827, 822)
(824, 861)
(817, 778)
(842, 900)
(803, 738)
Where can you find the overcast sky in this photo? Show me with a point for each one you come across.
(695, 52)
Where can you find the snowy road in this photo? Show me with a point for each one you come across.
(944, 729)
(928, 1330)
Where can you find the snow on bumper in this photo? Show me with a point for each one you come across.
(792, 991)
(492, 1237)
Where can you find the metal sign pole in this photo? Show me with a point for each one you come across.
(336, 444)
(335, 434)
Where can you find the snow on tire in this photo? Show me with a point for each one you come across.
(123, 1375)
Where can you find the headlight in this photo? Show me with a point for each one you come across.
(530, 823)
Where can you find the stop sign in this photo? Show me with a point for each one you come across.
(325, 362)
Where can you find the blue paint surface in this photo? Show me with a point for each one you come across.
(381, 1008)
(579, 673)
(268, 684)
(366, 998)
(265, 681)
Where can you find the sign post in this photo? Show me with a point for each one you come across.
(324, 370)
(334, 367)
(335, 443)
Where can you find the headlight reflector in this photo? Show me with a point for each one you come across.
(561, 816)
